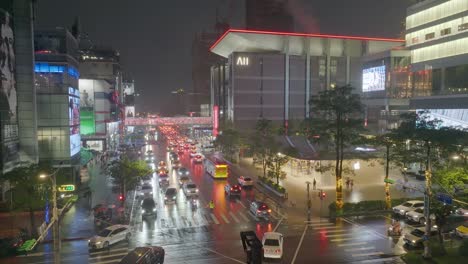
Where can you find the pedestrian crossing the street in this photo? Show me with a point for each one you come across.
(356, 241)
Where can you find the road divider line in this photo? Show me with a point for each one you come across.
(299, 246)
(358, 249)
(325, 227)
(380, 260)
(214, 218)
(320, 224)
(367, 254)
(339, 235)
(108, 256)
(225, 218)
(352, 244)
(332, 231)
(234, 217)
(243, 216)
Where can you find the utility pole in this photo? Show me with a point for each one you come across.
(309, 202)
(427, 200)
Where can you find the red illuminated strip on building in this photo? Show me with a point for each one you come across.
(215, 120)
(291, 34)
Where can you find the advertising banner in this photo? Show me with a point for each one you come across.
(454, 118)
(74, 111)
(97, 145)
(8, 99)
(87, 122)
(129, 111)
(373, 79)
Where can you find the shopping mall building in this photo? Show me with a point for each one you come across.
(272, 75)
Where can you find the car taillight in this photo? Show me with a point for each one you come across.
(231, 189)
(258, 211)
(269, 210)
(278, 251)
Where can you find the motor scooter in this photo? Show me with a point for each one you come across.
(193, 204)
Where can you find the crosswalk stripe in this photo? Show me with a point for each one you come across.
(352, 244)
(201, 220)
(99, 257)
(326, 227)
(338, 235)
(225, 218)
(243, 216)
(367, 254)
(320, 224)
(381, 260)
(207, 219)
(332, 231)
(110, 250)
(214, 218)
(234, 217)
(358, 249)
(242, 204)
(195, 221)
(341, 239)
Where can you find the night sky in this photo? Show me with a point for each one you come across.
(154, 37)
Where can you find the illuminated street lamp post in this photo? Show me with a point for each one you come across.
(55, 219)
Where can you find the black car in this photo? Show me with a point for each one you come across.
(144, 255)
(232, 190)
(148, 208)
(170, 195)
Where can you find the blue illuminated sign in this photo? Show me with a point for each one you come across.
(48, 68)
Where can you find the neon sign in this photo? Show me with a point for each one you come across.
(242, 61)
(215, 120)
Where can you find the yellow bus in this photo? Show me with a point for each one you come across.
(216, 167)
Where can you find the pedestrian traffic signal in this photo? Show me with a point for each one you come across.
(322, 195)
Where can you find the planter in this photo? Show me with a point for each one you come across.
(273, 190)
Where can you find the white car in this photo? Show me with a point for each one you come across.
(190, 189)
(110, 236)
(416, 237)
(146, 190)
(461, 211)
(406, 207)
(417, 216)
(245, 181)
(272, 245)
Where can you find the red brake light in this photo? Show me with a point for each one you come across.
(258, 211)
(231, 188)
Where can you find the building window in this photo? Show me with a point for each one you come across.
(463, 27)
(430, 36)
(414, 40)
(445, 31)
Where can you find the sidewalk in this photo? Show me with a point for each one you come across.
(368, 185)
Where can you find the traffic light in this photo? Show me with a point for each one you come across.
(121, 197)
(322, 195)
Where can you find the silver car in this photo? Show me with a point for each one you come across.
(190, 189)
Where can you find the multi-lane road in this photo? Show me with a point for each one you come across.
(207, 236)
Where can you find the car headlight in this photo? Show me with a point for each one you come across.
(143, 211)
(99, 242)
(165, 198)
(154, 209)
(196, 190)
(402, 211)
(89, 240)
(413, 241)
(151, 192)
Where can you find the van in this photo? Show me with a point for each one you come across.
(144, 255)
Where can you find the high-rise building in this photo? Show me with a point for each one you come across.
(58, 100)
(270, 15)
(437, 35)
(101, 92)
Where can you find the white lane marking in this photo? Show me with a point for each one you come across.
(358, 249)
(241, 203)
(367, 254)
(225, 218)
(243, 216)
(332, 231)
(108, 256)
(234, 217)
(195, 221)
(320, 224)
(277, 225)
(299, 246)
(110, 250)
(352, 244)
(377, 260)
(339, 235)
(359, 225)
(341, 239)
(326, 227)
(214, 218)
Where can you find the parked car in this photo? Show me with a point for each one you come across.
(170, 195)
(408, 206)
(272, 245)
(417, 216)
(144, 255)
(462, 231)
(110, 236)
(190, 189)
(461, 211)
(232, 190)
(416, 237)
(245, 181)
(260, 209)
(148, 208)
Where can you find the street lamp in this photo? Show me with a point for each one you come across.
(55, 219)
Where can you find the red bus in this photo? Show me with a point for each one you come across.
(216, 167)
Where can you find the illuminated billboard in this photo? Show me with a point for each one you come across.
(75, 144)
(74, 110)
(87, 122)
(129, 111)
(373, 79)
(454, 118)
